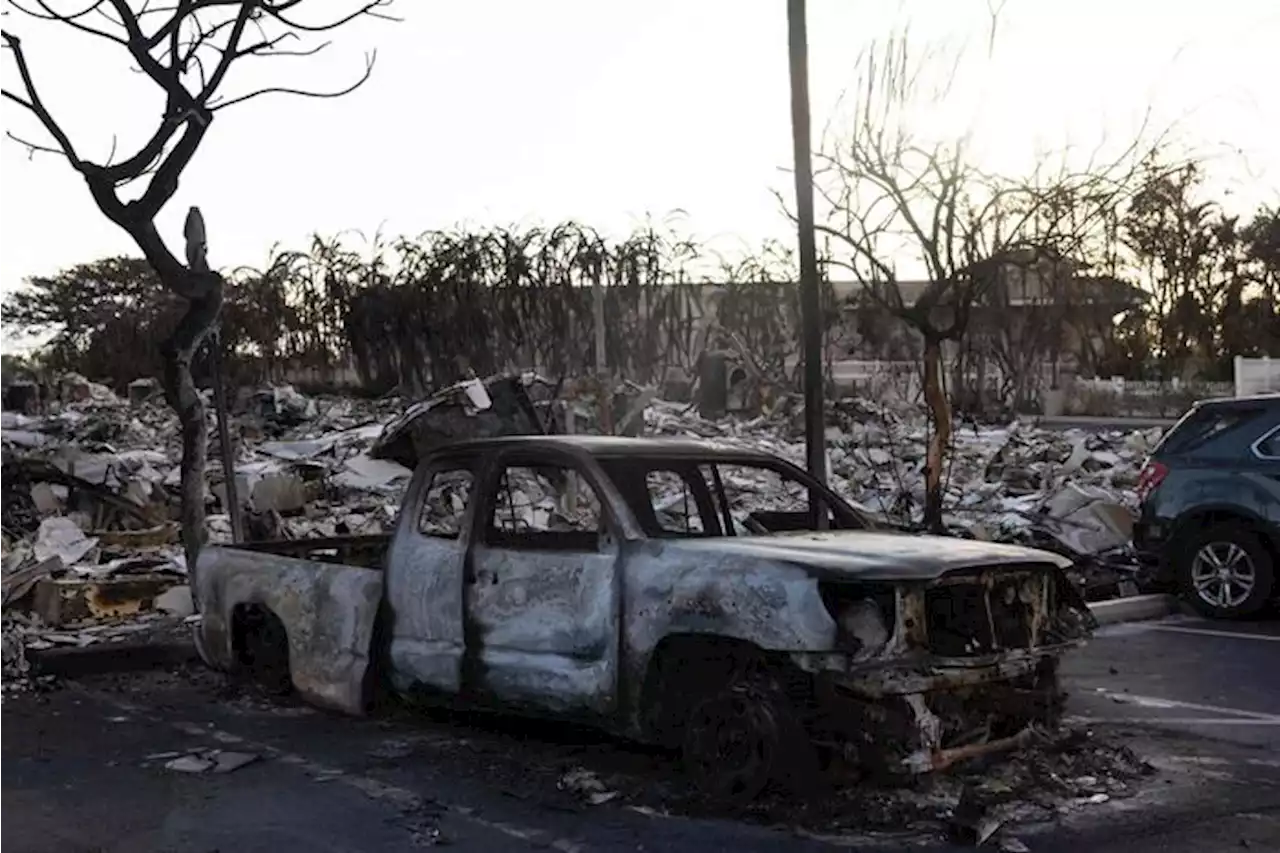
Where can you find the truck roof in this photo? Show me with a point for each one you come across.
(605, 446)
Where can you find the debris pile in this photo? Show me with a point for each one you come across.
(500, 405)
(16, 666)
(984, 803)
(1070, 491)
(91, 481)
(586, 785)
(91, 551)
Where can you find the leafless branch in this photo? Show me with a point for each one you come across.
(33, 103)
(186, 48)
(32, 147)
(73, 20)
(183, 46)
(370, 59)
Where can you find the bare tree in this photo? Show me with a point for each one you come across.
(891, 193)
(1027, 325)
(185, 47)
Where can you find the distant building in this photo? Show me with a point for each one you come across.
(1030, 309)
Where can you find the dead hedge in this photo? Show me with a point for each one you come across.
(412, 313)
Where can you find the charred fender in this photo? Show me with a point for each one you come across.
(327, 611)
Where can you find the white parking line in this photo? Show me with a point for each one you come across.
(1160, 703)
(1210, 632)
(1175, 721)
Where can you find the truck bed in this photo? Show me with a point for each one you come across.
(368, 552)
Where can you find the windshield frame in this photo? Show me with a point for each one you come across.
(842, 515)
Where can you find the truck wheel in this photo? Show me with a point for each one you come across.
(740, 738)
(1226, 572)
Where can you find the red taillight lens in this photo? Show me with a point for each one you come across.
(1153, 474)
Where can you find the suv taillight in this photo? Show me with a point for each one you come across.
(1153, 474)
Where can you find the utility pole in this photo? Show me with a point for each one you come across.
(810, 303)
(602, 368)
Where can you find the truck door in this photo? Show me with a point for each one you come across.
(542, 588)
(424, 577)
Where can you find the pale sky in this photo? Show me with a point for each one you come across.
(604, 111)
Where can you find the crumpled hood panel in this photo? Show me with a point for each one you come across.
(869, 555)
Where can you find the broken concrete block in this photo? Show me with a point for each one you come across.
(22, 396)
(46, 499)
(450, 415)
(189, 764)
(61, 537)
(879, 456)
(227, 762)
(141, 390)
(677, 385)
(59, 601)
(18, 583)
(282, 491)
(205, 760)
(75, 389)
(713, 385)
(365, 473)
(1088, 521)
(152, 537)
(176, 601)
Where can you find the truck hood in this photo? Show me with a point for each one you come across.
(875, 555)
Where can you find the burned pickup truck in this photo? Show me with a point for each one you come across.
(686, 593)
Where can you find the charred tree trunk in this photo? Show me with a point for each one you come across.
(186, 50)
(183, 395)
(940, 414)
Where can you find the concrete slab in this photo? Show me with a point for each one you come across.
(60, 601)
(1135, 608)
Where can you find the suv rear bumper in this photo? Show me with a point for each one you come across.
(1151, 545)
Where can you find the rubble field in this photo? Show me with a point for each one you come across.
(91, 550)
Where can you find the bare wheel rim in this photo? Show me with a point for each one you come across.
(730, 745)
(1223, 574)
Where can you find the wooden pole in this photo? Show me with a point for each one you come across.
(810, 303)
(224, 439)
(602, 379)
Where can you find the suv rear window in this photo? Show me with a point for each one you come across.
(1202, 424)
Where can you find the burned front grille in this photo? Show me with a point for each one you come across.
(983, 613)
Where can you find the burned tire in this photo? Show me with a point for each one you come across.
(263, 648)
(740, 738)
(1226, 572)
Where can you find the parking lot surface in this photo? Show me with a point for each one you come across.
(1198, 700)
(1201, 699)
(1219, 680)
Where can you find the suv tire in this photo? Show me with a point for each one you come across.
(1229, 556)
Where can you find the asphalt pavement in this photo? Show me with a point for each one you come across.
(83, 772)
(83, 767)
(1213, 679)
(1200, 700)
